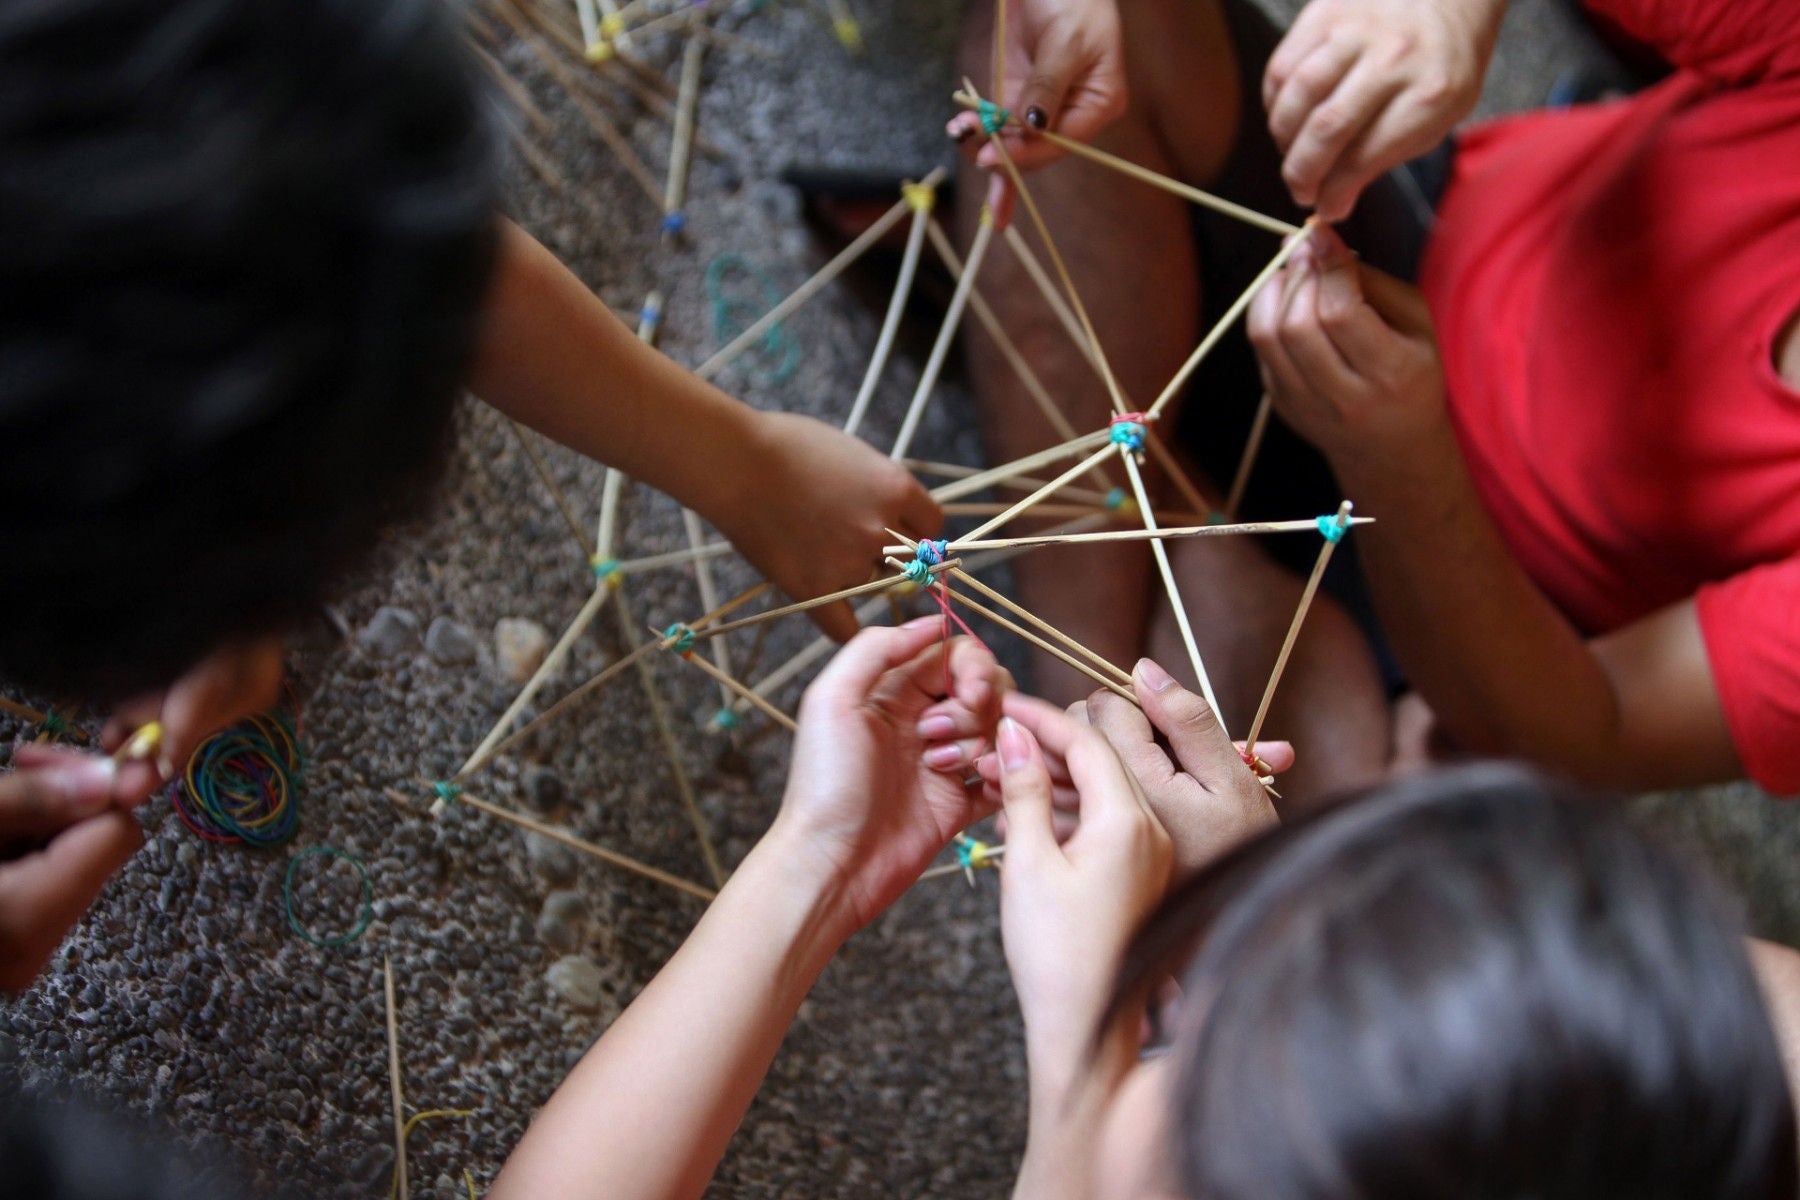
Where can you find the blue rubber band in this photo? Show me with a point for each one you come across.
(1330, 529)
(1128, 434)
(683, 638)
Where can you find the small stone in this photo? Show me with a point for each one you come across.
(391, 632)
(576, 980)
(555, 861)
(563, 922)
(450, 643)
(520, 646)
(544, 789)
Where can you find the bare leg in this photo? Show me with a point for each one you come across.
(1130, 250)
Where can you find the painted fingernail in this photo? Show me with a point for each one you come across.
(85, 782)
(1037, 118)
(936, 727)
(1154, 677)
(1015, 744)
(944, 757)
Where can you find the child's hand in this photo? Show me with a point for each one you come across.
(876, 787)
(1205, 796)
(812, 514)
(229, 684)
(1067, 911)
(61, 839)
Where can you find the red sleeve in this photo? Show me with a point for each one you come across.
(1751, 626)
(1732, 41)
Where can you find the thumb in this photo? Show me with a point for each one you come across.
(1025, 791)
(1399, 304)
(1187, 720)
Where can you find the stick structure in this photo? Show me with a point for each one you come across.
(1341, 522)
(958, 868)
(732, 686)
(1024, 504)
(919, 198)
(1168, 577)
(861, 589)
(940, 349)
(982, 480)
(1259, 425)
(1149, 533)
(1041, 643)
(682, 147)
(1028, 259)
(1091, 655)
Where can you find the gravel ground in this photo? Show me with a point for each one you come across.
(185, 996)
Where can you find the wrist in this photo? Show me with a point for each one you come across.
(788, 862)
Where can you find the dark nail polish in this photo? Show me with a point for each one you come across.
(1037, 118)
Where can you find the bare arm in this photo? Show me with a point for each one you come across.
(554, 357)
(1351, 359)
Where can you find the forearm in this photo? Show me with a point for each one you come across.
(649, 1110)
(1069, 1091)
(1505, 672)
(553, 356)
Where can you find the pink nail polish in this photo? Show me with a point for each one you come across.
(944, 757)
(1015, 744)
(937, 727)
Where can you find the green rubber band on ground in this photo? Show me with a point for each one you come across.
(368, 898)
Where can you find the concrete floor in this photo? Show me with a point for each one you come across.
(185, 996)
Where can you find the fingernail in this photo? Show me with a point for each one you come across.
(936, 727)
(165, 768)
(1015, 744)
(944, 757)
(86, 782)
(1037, 118)
(1154, 677)
(922, 622)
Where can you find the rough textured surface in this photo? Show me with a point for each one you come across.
(186, 996)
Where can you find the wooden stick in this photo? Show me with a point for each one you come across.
(526, 730)
(551, 664)
(674, 558)
(1046, 646)
(556, 493)
(963, 545)
(610, 9)
(659, 715)
(1120, 406)
(1018, 483)
(982, 480)
(919, 198)
(1259, 425)
(1169, 585)
(940, 349)
(861, 589)
(1165, 458)
(681, 150)
(1226, 321)
(1051, 508)
(709, 593)
(568, 839)
(1123, 677)
(1025, 503)
(590, 25)
(23, 712)
(1341, 522)
(399, 1094)
(806, 291)
(1000, 50)
(731, 685)
(649, 324)
(1009, 350)
(957, 868)
(1047, 289)
(1144, 174)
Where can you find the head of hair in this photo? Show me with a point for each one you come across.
(242, 252)
(1474, 984)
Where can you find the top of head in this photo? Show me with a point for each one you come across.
(242, 248)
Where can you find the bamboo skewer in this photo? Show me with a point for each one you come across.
(555, 834)
(1119, 676)
(398, 1092)
(1169, 585)
(682, 147)
(731, 685)
(674, 558)
(1229, 318)
(538, 722)
(1149, 533)
(1342, 521)
(1050, 508)
(920, 202)
(709, 594)
(1041, 643)
(1259, 425)
(1019, 483)
(1165, 459)
(861, 589)
(940, 349)
(982, 480)
(1024, 504)
(957, 868)
(556, 493)
(806, 291)
(1047, 289)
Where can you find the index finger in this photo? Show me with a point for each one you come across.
(45, 893)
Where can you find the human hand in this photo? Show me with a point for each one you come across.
(235, 680)
(1068, 909)
(61, 838)
(876, 787)
(1359, 86)
(1348, 355)
(814, 509)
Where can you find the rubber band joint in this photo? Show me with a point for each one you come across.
(650, 315)
(920, 197)
(993, 117)
(1128, 431)
(449, 793)
(608, 571)
(612, 24)
(674, 221)
(972, 854)
(679, 638)
(849, 34)
(1121, 501)
(1215, 517)
(601, 51)
(53, 725)
(726, 719)
(1331, 529)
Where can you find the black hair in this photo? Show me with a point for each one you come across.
(243, 247)
(1475, 984)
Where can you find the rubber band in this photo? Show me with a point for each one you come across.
(1122, 501)
(732, 315)
(1128, 431)
(726, 719)
(679, 638)
(849, 34)
(971, 854)
(674, 221)
(1331, 529)
(53, 725)
(609, 571)
(368, 898)
(241, 785)
(445, 791)
(920, 197)
(992, 116)
(612, 24)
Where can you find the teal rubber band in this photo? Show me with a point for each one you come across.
(1116, 498)
(1330, 530)
(368, 898)
(993, 117)
(683, 638)
(918, 571)
(449, 793)
(726, 718)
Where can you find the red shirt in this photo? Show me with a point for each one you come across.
(1608, 284)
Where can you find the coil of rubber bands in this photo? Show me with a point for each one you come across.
(732, 313)
(365, 915)
(242, 784)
